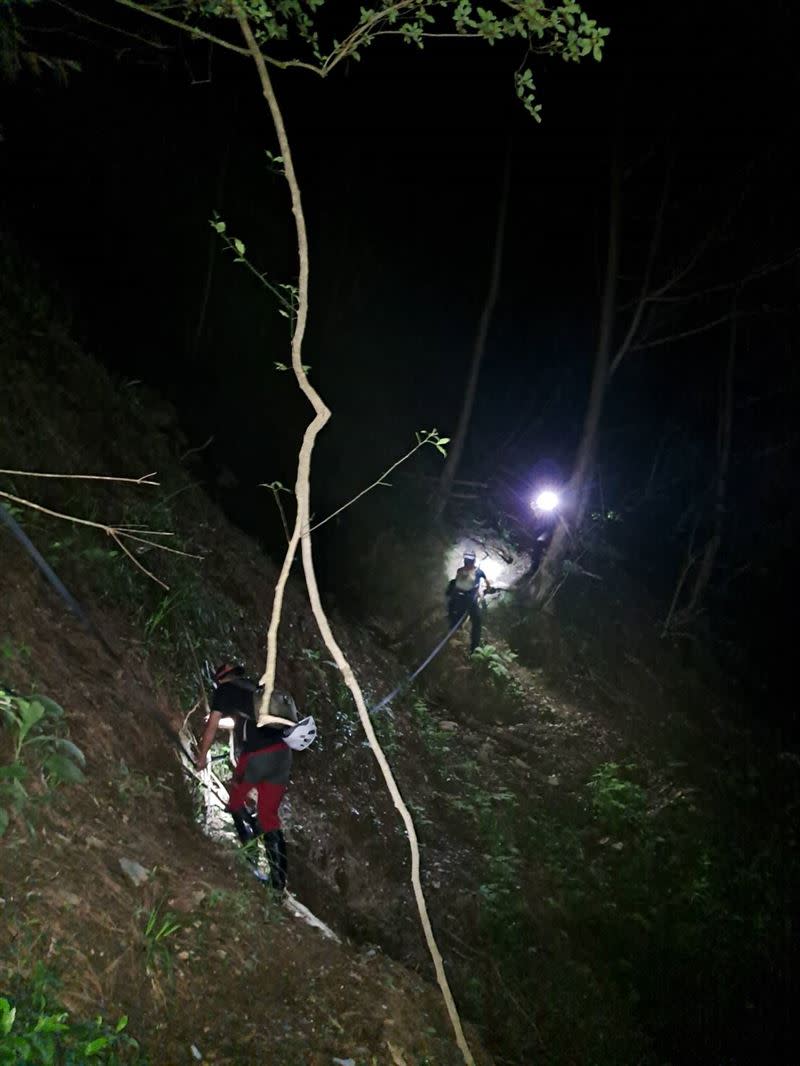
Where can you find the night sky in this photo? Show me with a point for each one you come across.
(109, 182)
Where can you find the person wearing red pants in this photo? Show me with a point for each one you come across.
(264, 760)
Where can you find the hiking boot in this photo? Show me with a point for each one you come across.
(275, 844)
(244, 827)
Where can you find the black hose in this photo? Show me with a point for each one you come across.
(53, 578)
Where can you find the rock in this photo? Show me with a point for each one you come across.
(554, 779)
(94, 842)
(196, 1053)
(448, 727)
(344, 1062)
(137, 873)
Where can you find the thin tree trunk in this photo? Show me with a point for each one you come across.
(576, 492)
(724, 438)
(587, 449)
(688, 563)
(211, 262)
(478, 349)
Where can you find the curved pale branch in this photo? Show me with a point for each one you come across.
(303, 492)
(194, 31)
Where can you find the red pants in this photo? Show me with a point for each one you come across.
(269, 794)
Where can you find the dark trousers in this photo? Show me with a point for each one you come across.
(466, 603)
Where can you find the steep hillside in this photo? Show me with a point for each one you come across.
(607, 855)
(238, 979)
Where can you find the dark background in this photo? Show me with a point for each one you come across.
(110, 181)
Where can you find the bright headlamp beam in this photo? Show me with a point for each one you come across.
(547, 500)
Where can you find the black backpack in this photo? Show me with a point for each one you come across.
(248, 715)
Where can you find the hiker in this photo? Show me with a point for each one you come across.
(264, 761)
(546, 509)
(245, 820)
(462, 597)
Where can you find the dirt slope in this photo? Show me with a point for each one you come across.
(242, 981)
(609, 859)
(245, 983)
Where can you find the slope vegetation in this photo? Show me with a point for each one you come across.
(607, 851)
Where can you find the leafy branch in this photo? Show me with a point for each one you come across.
(276, 487)
(287, 298)
(424, 436)
(563, 30)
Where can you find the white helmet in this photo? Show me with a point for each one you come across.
(302, 735)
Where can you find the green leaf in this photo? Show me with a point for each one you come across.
(15, 793)
(60, 768)
(52, 1023)
(30, 713)
(15, 772)
(168, 927)
(96, 1045)
(121, 1023)
(7, 1016)
(3, 826)
(71, 750)
(238, 245)
(51, 708)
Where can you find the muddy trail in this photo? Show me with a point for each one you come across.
(606, 847)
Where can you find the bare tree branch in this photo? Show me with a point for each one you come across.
(689, 332)
(143, 480)
(115, 532)
(199, 448)
(655, 242)
(727, 286)
(193, 31)
(700, 250)
(136, 562)
(478, 348)
(109, 26)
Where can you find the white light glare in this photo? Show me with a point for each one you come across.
(492, 568)
(547, 500)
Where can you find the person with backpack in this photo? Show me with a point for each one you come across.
(264, 761)
(462, 597)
